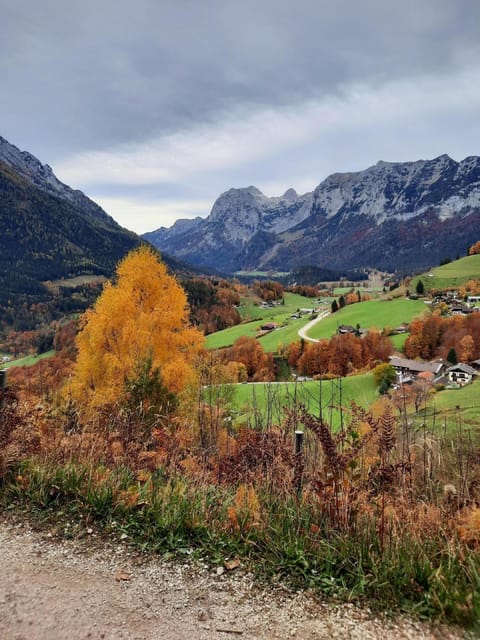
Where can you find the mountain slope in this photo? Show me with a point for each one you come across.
(44, 237)
(42, 177)
(395, 216)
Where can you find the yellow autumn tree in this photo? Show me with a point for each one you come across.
(139, 321)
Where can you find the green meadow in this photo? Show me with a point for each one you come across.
(27, 361)
(280, 313)
(454, 408)
(372, 313)
(264, 403)
(451, 275)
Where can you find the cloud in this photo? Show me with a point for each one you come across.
(141, 216)
(94, 74)
(149, 102)
(242, 138)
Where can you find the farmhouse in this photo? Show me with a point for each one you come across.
(402, 328)
(408, 370)
(459, 309)
(269, 326)
(460, 374)
(476, 365)
(346, 328)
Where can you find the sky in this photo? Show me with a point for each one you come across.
(154, 108)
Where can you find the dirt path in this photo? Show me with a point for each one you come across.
(59, 590)
(304, 330)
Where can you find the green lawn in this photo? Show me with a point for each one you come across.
(228, 336)
(453, 407)
(373, 313)
(27, 361)
(399, 340)
(449, 275)
(266, 401)
(278, 314)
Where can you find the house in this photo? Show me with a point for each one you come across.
(475, 364)
(346, 328)
(408, 370)
(269, 326)
(403, 328)
(459, 309)
(460, 374)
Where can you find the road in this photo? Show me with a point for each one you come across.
(303, 331)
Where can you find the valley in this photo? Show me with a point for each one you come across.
(281, 425)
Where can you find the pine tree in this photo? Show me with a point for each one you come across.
(452, 356)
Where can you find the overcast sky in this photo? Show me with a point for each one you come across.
(154, 107)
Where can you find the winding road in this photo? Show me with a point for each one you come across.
(303, 331)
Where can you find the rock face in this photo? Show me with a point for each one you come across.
(394, 216)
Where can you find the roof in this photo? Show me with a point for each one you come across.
(425, 375)
(415, 365)
(463, 367)
(346, 327)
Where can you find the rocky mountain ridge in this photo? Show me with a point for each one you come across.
(42, 177)
(393, 215)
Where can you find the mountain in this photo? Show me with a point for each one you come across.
(49, 231)
(396, 216)
(42, 177)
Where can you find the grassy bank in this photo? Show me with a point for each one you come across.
(283, 540)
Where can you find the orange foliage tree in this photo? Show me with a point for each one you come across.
(434, 336)
(140, 321)
(341, 355)
(474, 249)
(249, 352)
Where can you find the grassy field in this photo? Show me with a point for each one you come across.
(398, 341)
(450, 275)
(28, 360)
(454, 407)
(264, 402)
(373, 313)
(55, 285)
(278, 314)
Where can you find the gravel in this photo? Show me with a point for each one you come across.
(57, 589)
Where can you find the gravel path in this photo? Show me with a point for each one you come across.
(305, 329)
(56, 590)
